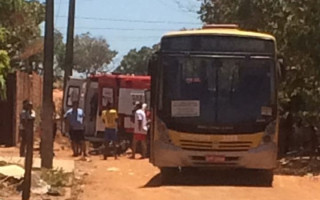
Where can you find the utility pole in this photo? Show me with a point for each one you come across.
(69, 46)
(68, 63)
(28, 125)
(47, 107)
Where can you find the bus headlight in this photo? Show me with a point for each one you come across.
(269, 133)
(163, 133)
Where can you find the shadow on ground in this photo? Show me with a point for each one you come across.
(210, 178)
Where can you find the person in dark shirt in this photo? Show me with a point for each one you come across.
(26, 114)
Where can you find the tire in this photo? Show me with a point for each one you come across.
(189, 170)
(265, 177)
(168, 174)
(96, 145)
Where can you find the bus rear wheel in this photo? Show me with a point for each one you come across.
(168, 174)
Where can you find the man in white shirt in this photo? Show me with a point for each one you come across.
(140, 131)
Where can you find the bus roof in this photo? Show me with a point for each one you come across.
(221, 32)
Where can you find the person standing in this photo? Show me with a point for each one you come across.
(26, 114)
(110, 119)
(140, 131)
(74, 118)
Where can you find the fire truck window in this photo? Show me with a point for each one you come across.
(73, 95)
(93, 106)
(107, 96)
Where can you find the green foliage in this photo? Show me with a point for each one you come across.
(3, 33)
(59, 54)
(20, 39)
(56, 178)
(136, 62)
(4, 69)
(91, 53)
(296, 25)
(19, 21)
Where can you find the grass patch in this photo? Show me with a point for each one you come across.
(56, 177)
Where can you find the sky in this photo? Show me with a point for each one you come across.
(128, 24)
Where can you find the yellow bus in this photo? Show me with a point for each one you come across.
(214, 101)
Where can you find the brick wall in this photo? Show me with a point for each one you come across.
(27, 87)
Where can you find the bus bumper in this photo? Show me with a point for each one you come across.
(168, 155)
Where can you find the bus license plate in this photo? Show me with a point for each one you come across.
(215, 159)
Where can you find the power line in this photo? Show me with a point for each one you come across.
(132, 20)
(119, 29)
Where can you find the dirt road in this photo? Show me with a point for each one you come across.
(126, 179)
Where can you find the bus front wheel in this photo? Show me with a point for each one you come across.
(265, 177)
(168, 174)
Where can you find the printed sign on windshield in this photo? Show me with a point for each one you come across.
(185, 108)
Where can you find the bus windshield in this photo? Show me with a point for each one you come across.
(210, 90)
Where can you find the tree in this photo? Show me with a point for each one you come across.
(91, 53)
(20, 39)
(136, 62)
(4, 66)
(4, 69)
(296, 25)
(59, 55)
(20, 20)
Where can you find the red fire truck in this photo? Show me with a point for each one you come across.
(95, 92)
